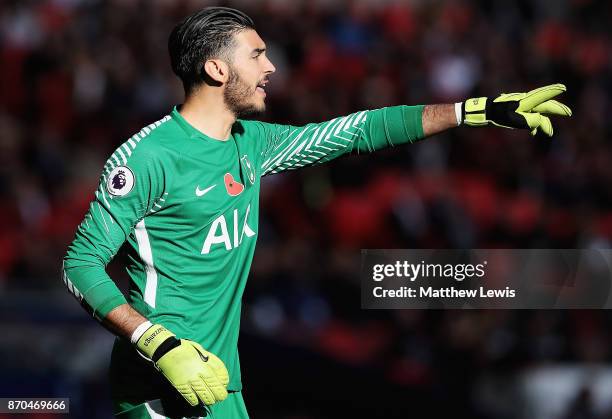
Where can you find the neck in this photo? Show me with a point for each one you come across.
(205, 110)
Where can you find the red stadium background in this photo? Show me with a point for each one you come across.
(78, 77)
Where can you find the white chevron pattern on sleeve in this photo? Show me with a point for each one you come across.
(71, 287)
(122, 154)
(302, 146)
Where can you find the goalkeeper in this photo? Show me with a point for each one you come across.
(182, 197)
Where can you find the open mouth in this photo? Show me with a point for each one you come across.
(261, 87)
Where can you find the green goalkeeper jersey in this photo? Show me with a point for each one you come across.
(186, 208)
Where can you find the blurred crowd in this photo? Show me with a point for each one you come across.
(78, 77)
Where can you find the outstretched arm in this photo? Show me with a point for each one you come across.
(509, 110)
(289, 147)
(438, 118)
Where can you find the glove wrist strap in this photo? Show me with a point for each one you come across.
(153, 344)
(474, 112)
(165, 347)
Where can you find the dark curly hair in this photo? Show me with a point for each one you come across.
(204, 35)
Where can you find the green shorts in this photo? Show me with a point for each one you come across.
(231, 408)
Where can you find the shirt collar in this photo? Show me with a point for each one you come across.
(189, 129)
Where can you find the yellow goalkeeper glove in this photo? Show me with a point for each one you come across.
(517, 110)
(193, 371)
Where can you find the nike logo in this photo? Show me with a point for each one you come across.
(200, 192)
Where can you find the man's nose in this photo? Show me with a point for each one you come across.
(269, 66)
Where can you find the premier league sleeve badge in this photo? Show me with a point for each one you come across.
(120, 181)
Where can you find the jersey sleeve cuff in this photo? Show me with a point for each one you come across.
(402, 124)
(103, 309)
(413, 122)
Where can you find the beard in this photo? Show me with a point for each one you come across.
(238, 96)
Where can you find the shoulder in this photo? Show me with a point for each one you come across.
(160, 141)
(141, 154)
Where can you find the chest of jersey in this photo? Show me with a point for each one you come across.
(212, 200)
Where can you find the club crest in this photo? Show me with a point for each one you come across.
(248, 169)
(120, 181)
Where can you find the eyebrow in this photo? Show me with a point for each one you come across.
(259, 50)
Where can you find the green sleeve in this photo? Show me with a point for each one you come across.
(289, 147)
(131, 184)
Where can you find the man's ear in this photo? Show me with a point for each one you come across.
(216, 71)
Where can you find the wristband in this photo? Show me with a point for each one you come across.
(140, 331)
(458, 112)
